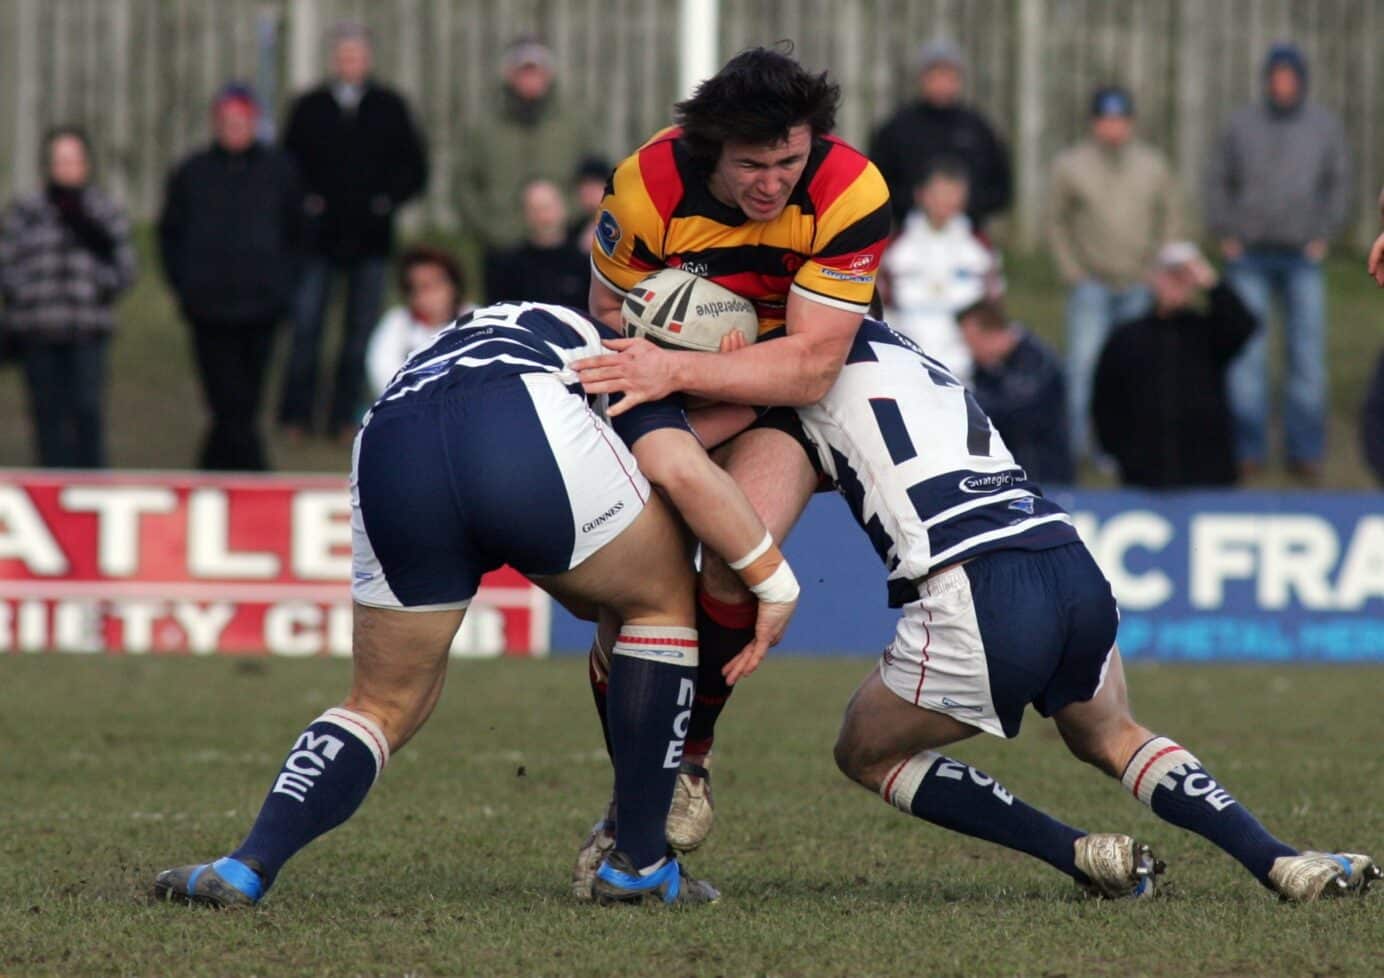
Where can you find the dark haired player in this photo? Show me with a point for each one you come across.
(752, 191)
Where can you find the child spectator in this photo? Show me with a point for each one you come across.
(434, 292)
(936, 266)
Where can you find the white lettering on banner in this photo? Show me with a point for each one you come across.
(77, 626)
(118, 509)
(1362, 572)
(1221, 548)
(24, 536)
(1109, 543)
(1289, 558)
(33, 626)
(209, 552)
(203, 625)
(321, 527)
(137, 624)
(1297, 553)
(293, 628)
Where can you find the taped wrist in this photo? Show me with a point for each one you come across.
(767, 574)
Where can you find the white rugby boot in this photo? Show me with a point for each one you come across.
(1312, 875)
(599, 843)
(691, 814)
(1117, 866)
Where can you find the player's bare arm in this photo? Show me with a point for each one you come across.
(796, 370)
(718, 513)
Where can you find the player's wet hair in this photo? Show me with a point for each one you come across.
(426, 255)
(756, 98)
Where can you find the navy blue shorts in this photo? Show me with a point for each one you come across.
(518, 471)
(1006, 629)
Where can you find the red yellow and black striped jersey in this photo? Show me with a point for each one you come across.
(658, 211)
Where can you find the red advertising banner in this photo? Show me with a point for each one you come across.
(140, 563)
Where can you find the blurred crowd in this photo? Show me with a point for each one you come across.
(1164, 379)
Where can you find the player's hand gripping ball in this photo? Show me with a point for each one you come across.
(677, 309)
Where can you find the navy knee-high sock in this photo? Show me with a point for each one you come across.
(322, 782)
(723, 630)
(1167, 778)
(653, 679)
(956, 796)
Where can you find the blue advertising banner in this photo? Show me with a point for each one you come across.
(1205, 576)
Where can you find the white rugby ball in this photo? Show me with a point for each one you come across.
(676, 308)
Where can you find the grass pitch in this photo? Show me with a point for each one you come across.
(111, 769)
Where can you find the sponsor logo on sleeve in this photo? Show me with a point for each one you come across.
(861, 262)
(847, 276)
(607, 233)
(992, 481)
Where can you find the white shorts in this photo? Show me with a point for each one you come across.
(937, 658)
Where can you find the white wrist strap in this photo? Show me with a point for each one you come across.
(755, 554)
(780, 587)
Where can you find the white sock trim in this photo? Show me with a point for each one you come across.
(672, 644)
(904, 779)
(1151, 763)
(365, 730)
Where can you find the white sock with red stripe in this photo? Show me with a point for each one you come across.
(653, 682)
(956, 796)
(1167, 777)
(322, 782)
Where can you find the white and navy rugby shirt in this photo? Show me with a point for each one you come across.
(511, 338)
(924, 472)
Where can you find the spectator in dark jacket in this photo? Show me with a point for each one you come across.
(1017, 380)
(548, 266)
(229, 236)
(1372, 422)
(360, 157)
(939, 124)
(1159, 402)
(1278, 189)
(65, 256)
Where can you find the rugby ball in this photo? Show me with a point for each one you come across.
(675, 308)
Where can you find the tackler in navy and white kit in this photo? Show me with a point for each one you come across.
(482, 451)
(1002, 604)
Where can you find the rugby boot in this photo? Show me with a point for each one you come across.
(593, 852)
(618, 881)
(691, 813)
(1312, 875)
(1117, 866)
(226, 883)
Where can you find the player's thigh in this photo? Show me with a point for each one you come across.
(1102, 730)
(773, 470)
(642, 575)
(880, 729)
(399, 662)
